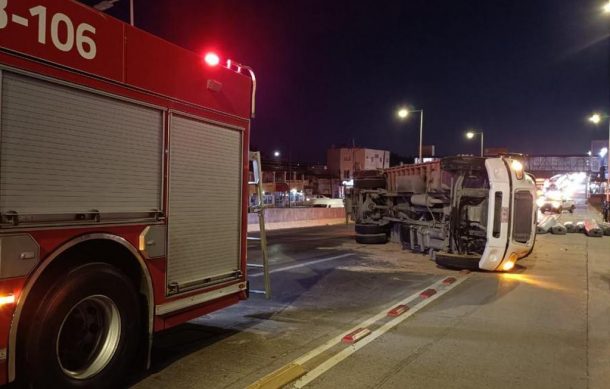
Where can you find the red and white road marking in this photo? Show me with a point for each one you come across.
(399, 310)
(358, 336)
(355, 336)
(439, 289)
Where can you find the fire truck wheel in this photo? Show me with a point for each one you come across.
(372, 238)
(85, 333)
(371, 229)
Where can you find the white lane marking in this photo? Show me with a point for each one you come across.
(335, 359)
(304, 264)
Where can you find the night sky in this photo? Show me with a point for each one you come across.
(526, 72)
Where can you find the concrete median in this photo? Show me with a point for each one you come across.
(282, 218)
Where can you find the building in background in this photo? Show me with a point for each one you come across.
(343, 162)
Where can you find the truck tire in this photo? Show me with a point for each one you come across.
(372, 238)
(457, 262)
(366, 228)
(84, 333)
(370, 183)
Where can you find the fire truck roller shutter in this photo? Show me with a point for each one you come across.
(66, 150)
(204, 220)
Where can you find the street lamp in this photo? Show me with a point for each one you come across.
(596, 119)
(472, 134)
(606, 7)
(276, 153)
(403, 113)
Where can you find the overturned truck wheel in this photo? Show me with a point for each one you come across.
(372, 238)
(370, 183)
(367, 229)
(457, 261)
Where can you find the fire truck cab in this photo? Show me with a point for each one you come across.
(123, 191)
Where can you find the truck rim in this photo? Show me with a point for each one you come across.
(88, 337)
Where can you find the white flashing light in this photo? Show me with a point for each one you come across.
(211, 59)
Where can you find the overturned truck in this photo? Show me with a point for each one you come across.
(465, 212)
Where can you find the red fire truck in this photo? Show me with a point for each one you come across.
(123, 191)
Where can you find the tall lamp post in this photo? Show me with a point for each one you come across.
(472, 134)
(596, 119)
(403, 113)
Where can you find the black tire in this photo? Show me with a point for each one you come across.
(370, 183)
(99, 308)
(366, 229)
(457, 262)
(372, 238)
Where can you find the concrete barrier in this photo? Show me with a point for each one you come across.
(606, 228)
(280, 218)
(593, 229)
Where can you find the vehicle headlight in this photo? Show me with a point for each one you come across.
(518, 168)
(540, 202)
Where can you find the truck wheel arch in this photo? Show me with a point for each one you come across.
(146, 287)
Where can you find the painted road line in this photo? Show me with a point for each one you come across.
(279, 378)
(304, 264)
(335, 359)
(365, 324)
(449, 280)
(355, 336)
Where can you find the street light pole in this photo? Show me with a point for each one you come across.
(596, 119)
(472, 134)
(402, 114)
(421, 135)
(608, 166)
(131, 16)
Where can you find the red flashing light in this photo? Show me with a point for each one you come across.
(211, 59)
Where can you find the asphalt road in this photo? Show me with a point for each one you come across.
(545, 325)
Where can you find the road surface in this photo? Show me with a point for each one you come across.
(545, 325)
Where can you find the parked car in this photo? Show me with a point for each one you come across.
(321, 201)
(555, 205)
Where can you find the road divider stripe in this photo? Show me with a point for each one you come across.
(279, 378)
(397, 311)
(355, 336)
(304, 264)
(302, 360)
(346, 352)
